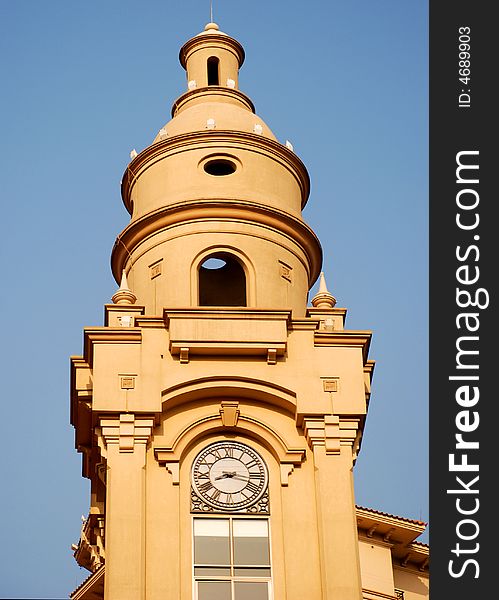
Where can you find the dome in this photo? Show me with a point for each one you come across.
(213, 100)
(214, 115)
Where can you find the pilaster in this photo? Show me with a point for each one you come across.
(333, 441)
(123, 440)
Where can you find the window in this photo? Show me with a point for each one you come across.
(231, 559)
(212, 66)
(222, 281)
(220, 167)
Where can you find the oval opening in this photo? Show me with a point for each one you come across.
(219, 167)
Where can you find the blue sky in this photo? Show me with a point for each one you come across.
(83, 84)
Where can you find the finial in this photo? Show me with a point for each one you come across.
(124, 295)
(323, 298)
(210, 26)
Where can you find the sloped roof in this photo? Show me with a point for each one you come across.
(399, 532)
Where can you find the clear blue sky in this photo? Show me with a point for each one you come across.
(84, 82)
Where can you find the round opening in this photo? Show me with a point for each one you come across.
(219, 167)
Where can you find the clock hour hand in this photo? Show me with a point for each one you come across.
(226, 474)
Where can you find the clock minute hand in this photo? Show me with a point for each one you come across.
(240, 477)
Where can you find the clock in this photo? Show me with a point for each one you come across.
(229, 476)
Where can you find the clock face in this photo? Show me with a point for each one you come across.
(229, 475)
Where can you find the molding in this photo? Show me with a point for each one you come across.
(221, 332)
(200, 210)
(346, 337)
(108, 335)
(210, 91)
(229, 387)
(220, 137)
(218, 39)
(228, 413)
(127, 431)
(332, 432)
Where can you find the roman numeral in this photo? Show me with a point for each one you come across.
(253, 488)
(205, 487)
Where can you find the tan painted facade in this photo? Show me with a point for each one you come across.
(190, 355)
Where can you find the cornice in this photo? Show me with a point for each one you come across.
(103, 335)
(226, 137)
(369, 367)
(226, 313)
(219, 210)
(211, 39)
(315, 312)
(360, 339)
(212, 90)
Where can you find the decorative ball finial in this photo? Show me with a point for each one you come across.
(323, 298)
(210, 26)
(124, 295)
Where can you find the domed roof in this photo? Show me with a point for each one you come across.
(213, 103)
(214, 115)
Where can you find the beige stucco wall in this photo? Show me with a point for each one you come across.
(414, 583)
(376, 567)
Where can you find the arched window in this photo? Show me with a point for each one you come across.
(222, 281)
(213, 75)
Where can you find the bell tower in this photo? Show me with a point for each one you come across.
(218, 416)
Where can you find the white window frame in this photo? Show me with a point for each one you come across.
(232, 578)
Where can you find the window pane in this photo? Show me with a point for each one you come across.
(252, 571)
(209, 527)
(211, 571)
(215, 590)
(211, 542)
(251, 543)
(251, 590)
(251, 528)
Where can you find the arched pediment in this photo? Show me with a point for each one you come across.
(229, 387)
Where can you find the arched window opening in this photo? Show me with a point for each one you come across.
(213, 75)
(222, 281)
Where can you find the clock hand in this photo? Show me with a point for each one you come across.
(226, 474)
(240, 477)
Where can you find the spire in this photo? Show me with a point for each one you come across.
(124, 295)
(323, 298)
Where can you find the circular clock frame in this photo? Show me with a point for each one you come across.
(229, 475)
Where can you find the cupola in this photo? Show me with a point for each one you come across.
(216, 185)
